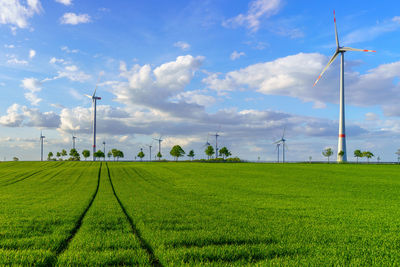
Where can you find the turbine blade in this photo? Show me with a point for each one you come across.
(98, 80)
(283, 134)
(89, 96)
(356, 49)
(326, 67)
(336, 35)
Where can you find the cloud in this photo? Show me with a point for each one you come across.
(16, 61)
(20, 116)
(235, 55)
(33, 86)
(258, 9)
(54, 60)
(74, 19)
(9, 46)
(182, 45)
(70, 72)
(64, 2)
(32, 53)
(17, 14)
(69, 51)
(370, 33)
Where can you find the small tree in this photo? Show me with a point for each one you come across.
(109, 155)
(114, 152)
(86, 153)
(159, 156)
(328, 152)
(118, 154)
(99, 154)
(74, 155)
(177, 152)
(358, 154)
(209, 151)
(15, 159)
(58, 155)
(191, 154)
(50, 155)
(224, 152)
(368, 155)
(64, 153)
(141, 155)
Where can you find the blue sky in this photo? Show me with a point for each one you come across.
(184, 69)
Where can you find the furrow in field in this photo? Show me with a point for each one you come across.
(143, 243)
(105, 237)
(63, 246)
(38, 214)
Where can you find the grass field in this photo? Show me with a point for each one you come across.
(92, 213)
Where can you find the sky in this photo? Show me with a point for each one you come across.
(184, 70)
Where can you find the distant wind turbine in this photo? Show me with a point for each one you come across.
(283, 142)
(94, 104)
(42, 137)
(340, 50)
(159, 140)
(150, 146)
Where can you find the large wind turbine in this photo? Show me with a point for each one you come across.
(94, 100)
(42, 137)
(341, 157)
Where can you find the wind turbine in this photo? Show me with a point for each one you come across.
(340, 50)
(283, 142)
(216, 141)
(104, 147)
(94, 104)
(42, 137)
(207, 144)
(150, 146)
(159, 143)
(73, 140)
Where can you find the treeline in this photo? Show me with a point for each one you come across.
(75, 156)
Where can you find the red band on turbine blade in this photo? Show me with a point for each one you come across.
(94, 146)
(342, 135)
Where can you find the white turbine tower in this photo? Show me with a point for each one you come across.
(42, 137)
(94, 103)
(341, 157)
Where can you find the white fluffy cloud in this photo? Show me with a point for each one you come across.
(19, 116)
(32, 53)
(74, 19)
(182, 45)
(258, 9)
(65, 2)
(70, 72)
(235, 55)
(14, 12)
(33, 86)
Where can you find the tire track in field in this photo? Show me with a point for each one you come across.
(143, 243)
(24, 177)
(64, 245)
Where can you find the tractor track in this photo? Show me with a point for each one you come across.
(143, 243)
(64, 245)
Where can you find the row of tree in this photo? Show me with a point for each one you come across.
(328, 152)
(75, 156)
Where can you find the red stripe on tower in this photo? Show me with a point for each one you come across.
(342, 135)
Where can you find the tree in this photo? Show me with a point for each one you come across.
(209, 151)
(86, 153)
(74, 155)
(109, 155)
(64, 153)
(141, 155)
(224, 152)
(191, 154)
(50, 155)
(328, 152)
(368, 155)
(378, 159)
(177, 152)
(117, 153)
(358, 154)
(99, 154)
(15, 159)
(58, 155)
(159, 156)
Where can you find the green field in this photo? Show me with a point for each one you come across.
(92, 213)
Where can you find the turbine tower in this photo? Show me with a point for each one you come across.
(150, 146)
(42, 137)
(283, 142)
(94, 104)
(342, 131)
(73, 141)
(159, 143)
(216, 144)
(104, 147)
